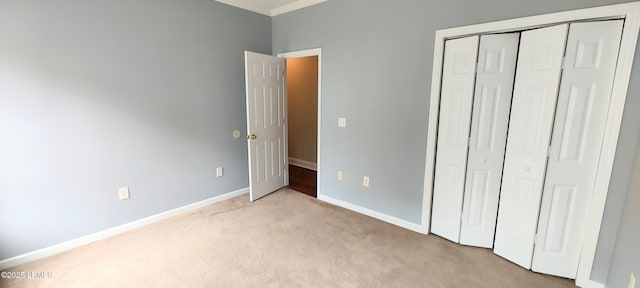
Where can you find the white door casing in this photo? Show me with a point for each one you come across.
(306, 53)
(490, 118)
(458, 77)
(532, 113)
(583, 102)
(266, 123)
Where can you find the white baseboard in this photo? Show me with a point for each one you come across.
(58, 248)
(380, 216)
(303, 163)
(589, 284)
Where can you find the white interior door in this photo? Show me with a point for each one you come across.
(458, 77)
(587, 79)
(266, 123)
(490, 119)
(532, 112)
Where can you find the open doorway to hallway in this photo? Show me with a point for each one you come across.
(302, 110)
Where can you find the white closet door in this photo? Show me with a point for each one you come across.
(532, 113)
(490, 119)
(587, 79)
(458, 77)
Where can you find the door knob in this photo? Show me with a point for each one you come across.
(483, 161)
(252, 136)
(527, 169)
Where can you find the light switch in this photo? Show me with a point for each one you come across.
(219, 172)
(340, 175)
(342, 122)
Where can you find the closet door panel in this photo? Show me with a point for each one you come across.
(458, 78)
(490, 119)
(532, 114)
(583, 102)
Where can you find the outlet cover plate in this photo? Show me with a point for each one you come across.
(123, 193)
(342, 122)
(365, 181)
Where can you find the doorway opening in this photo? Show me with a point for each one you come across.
(303, 119)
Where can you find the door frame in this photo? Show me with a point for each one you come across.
(630, 12)
(298, 54)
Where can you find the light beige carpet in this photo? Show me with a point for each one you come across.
(286, 239)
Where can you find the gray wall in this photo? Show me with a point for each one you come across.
(95, 95)
(377, 60)
(626, 256)
(620, 187)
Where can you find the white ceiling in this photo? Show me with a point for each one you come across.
(271, 7)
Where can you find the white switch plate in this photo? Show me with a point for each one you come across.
(632, 281)
(123, 193)
(365, 181)
(342, 122)
(219, 172)
(340, 175)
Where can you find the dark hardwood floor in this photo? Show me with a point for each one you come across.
(303, 180)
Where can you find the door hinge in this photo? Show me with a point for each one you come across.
(535, 239)
(478, 68)
(563, 64)
(549, 151)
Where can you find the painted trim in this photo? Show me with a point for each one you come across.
(374, 214)
(247, 6)
(307, 53)
(590, 284)
(303, 164)
(294, 6)
(631, 13)
(271, 11)
(84, 240)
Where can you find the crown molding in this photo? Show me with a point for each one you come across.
(271, 12)
(294, 6)
(245, 6)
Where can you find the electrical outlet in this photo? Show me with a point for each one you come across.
(365, 181)
(342, 122)
(219, 172)
(632, 281)
(340, 175)
(123, 193)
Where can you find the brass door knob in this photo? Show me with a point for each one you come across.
(252, 136)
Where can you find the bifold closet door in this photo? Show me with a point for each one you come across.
(490, 118)
(458, 75)
(532, 113)
(583, 102)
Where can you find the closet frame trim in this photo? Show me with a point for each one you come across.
(630, 12)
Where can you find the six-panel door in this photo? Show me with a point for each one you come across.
(458, 77)
(490, 118)
(583, 102)
(532, 111)
(266, 110)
